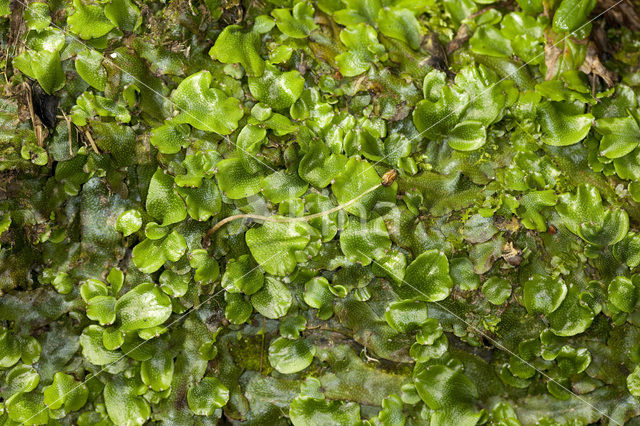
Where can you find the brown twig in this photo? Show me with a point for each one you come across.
(91, 141)
(37, 127)
(68, 120)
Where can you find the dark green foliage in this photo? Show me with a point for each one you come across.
(491, 277)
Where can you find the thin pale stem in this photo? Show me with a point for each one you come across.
(280, 219)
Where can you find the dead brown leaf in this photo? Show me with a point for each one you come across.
(511, 254)
(438, 58)
(462, 36)
(624, 14)
(552, 55)
(593, 66)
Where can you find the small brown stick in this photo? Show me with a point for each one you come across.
(91, 141)
(68, 120)
(36, 124)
